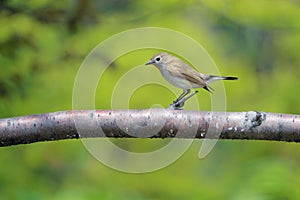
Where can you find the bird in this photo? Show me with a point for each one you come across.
(182, 75)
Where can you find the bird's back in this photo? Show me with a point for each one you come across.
(181, 70)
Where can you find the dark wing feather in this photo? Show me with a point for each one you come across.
(194, 78)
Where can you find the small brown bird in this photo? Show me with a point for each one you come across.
(181, 75)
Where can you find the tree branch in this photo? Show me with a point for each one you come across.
(153, 123)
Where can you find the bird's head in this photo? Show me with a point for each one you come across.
(159, 60)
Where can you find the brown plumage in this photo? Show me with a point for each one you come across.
(181, 75)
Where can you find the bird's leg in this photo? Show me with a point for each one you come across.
(183, 94)
(187, 98)
(175, 104)
(179, 104)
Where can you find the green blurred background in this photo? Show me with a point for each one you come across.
(43, 43)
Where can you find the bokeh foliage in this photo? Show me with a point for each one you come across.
(42, 44)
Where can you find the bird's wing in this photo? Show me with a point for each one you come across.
(183, 70)
(194, 78)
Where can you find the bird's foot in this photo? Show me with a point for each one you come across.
(176, 101)
(177, 105)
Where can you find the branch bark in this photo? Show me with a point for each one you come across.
(149, 123)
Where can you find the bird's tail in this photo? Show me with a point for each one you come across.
(212, 78)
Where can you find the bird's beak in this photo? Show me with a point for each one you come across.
(150, 62)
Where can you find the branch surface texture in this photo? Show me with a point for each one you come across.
(149, 123)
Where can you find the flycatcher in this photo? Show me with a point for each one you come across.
(180, 74)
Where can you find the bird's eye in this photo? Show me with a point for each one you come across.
(157, 59)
